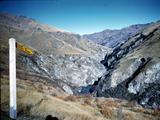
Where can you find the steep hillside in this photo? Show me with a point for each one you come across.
(46, 39)
(133, 69)
(112, 38)
(24, 23)
(64, 63)
(61, 56)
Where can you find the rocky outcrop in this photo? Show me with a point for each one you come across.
(123, 49)
(133, 69)
(73, 71)
(146, 86)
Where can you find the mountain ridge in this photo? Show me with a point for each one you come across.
(111, 38)
(67, 57)
(72, 78)
(133, 69)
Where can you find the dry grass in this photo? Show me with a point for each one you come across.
(128, 116)
(68, 98)
(33, 102)
(87, 101)
(107, 107)
(130, 104)
(107, 103)
(79, 116)
(146, 111)
(107, 112)
(64, 110)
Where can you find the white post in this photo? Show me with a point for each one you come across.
(12, 77)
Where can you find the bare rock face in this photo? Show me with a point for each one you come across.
(133, 69)
(119, 75)
(151, 75)
(73, 71)
(147, 85)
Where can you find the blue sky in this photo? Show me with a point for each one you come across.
(85, 16)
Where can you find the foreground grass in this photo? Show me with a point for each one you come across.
(36, 101)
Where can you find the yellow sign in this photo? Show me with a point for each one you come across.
(24, 48)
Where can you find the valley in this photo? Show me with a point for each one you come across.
(75, 77)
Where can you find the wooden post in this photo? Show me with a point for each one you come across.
(12, 77)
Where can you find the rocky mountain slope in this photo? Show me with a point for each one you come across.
(112, 38)
(64, 63)
(48, 40)
(133, 69)
(58, 55)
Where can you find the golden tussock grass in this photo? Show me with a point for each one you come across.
(87, 101)
(106, 103)
(64, 110)
(129, 104)
(147, 111)
(128, 116)
(107, 112)
(68, 98)
(32, 102)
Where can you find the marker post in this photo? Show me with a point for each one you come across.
(12, 77)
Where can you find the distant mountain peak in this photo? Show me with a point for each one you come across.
(25, 23)
(111, 38)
